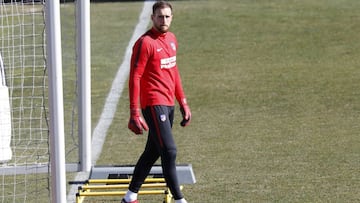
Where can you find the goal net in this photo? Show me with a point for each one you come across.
(24, 131)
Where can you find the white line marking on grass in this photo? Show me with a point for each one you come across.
(112, 99)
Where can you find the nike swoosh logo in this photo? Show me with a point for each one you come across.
(158, 50)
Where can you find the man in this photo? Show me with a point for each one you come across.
(154, 84)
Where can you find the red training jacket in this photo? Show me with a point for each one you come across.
(154, 75)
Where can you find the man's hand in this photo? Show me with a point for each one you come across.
(185, 112)
(136, 122)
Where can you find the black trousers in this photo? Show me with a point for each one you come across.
(160, 143)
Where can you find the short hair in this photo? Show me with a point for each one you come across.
(161, 4)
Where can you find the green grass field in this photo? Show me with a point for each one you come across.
(274, 90)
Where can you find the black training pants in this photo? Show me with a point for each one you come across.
(160, 143)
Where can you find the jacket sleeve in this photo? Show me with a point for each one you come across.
(138, 62)
(179, 92)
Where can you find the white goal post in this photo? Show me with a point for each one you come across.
(57, 136)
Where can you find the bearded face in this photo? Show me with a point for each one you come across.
(162, 19)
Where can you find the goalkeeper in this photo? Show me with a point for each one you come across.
(154, 84)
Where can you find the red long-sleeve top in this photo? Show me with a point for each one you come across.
(154, 76)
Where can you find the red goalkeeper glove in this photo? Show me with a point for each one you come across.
(136, 122)
(185, 112)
